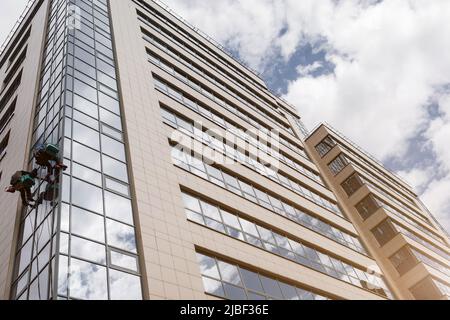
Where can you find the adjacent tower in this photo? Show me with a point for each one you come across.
(187, 178)
(407, 242)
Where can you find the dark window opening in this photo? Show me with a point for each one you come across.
(367, 207)
(384, 232)
(352, 184)
(325, 146)
(403, 260)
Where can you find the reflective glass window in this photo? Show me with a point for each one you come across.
(87, 196)
(88, 225)
(117, 186)
(87, 250)
(87, 281)
(120, 236)
(251, 280)
(109, 103)
(208, 266)
(118, 208)
(86, 135)
(113, 148)
(124, 286)
(234, 293)
(122, 260)
(85, 106)
(115, 168)
(86, 174)
(213, 287)
(86, 156)
(229, 273)
(271, 287)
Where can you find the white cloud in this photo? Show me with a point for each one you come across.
(10, 11)
(390, 58)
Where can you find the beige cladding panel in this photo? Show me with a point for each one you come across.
(169, 259)
(17, 151)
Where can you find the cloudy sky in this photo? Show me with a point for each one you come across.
(379, 71)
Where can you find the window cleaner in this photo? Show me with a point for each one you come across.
(23, 181)
(45, 154)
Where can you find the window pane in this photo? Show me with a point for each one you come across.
(213, 287)
(251, 280)
(63, 274)
(113, 148)
(65, 217)
(25, 256)
(124, 260)
(208, 266)
(86, 156)
(229, 273)
(85, 106)
(124, 286)
(230, 220)
(87, 196)
(88, 250)
(111, 132)
(109, 103)
(271, 287)
(120, 236)
(191, 203)
(85, 91)
(249, 227)
(88, 225)
(289, 292)
(234, 293)
(87, 281)
(211, 211)
(86, 135)
(110, 119)
(118, 208)
(86, 174)
(117, 186)
(115, 168)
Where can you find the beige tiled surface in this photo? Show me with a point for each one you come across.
(16, 158)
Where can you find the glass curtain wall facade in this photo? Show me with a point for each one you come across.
(81, 245)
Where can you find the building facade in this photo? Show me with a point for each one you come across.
(187, 178)
(404, 238)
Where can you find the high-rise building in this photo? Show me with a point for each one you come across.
(404, 238)
(187, 178)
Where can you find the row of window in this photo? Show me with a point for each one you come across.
(210, 95)
(233, 152)
(393, 190)
(10, 92)
(245, 230)
(209, 77)
(369, 205)
(193, 49)
(388, 229)
(180, 122)
(356, 181)
(407, 258)
(233, 282)
(329, 142)
(13, 51)
(212, 115)
(264, 199)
